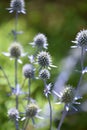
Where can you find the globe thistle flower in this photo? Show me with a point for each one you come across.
(68, 97)
(44, 74)
(13, 114)
(17, 5)
(15, 51)
(28, 71)
(44, 59)
(40, 41)
(32, 110)
(81, 39)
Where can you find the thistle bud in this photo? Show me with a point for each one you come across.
(81, 39)
(15, 50)
(31, 110)
(44, 59)
(28, 71)
(40, 41)
(13, 114)
(44, 74)
(67, 95)
(17, 5)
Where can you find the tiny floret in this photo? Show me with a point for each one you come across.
(31, 110)
(44, 59)
(28, 71)
(15, 50)
(81, 39)
(17, 5)
(13, 114)
(44, 74)
(40, 41)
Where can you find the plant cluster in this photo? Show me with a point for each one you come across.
(40, 64)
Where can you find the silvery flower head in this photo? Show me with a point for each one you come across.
(40, 41)
(13, 114)
(44, 59)
(44, 74)
(17, 5)
(15, 51)
(68, 97)
(32, 110)
(28, 71)
(81, 39)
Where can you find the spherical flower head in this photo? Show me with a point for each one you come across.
(40, 41)
(13, 114)
(44, 59)
(31, 110)
(17, 5)
(81, 39)
(67, 95)
(44, 74)
(28, 71)
(15, 50)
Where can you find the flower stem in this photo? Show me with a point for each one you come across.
(16, 23)
(26, 124)
(50, 112)
(82, 68)
(48, 97)
(16, 82)
(62, 118)
(29, 84)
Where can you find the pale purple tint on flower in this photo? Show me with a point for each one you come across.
(17, 5)
(40, 41)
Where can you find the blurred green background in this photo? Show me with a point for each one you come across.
(59, 20)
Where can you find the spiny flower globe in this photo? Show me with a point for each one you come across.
(17, 5)
(28, 71)
(44, 74)
(81, 39)
(13, 114)
(68, 97)
(31, 110)
(44, 59)
(15, 50)
(40, 41)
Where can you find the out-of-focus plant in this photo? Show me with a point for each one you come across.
(38, 68)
